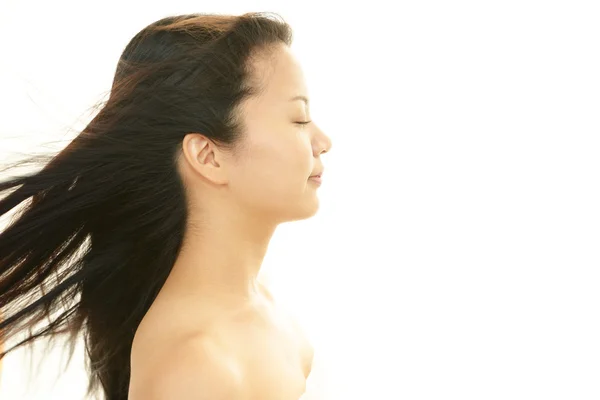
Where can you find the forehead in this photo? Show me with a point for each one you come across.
(280, 75)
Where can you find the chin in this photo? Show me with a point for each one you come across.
(306, 207)
(307, 211)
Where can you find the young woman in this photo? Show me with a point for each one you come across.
(147, 232)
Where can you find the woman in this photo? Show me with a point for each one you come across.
(150, 227)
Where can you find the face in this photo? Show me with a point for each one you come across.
(280, 153)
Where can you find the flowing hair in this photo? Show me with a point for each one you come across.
(102, 221)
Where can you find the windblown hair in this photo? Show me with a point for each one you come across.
(102, 221)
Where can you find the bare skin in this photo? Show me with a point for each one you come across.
(214, 331)
(266, 349)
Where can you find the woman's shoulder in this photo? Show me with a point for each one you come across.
(196, 367)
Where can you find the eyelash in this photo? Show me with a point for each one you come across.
(303, 123)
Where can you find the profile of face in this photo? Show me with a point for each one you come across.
(270, 178)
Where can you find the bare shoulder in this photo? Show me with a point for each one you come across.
(196, 368)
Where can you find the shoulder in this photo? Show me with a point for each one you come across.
(196, 368)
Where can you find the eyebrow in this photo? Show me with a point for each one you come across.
(300, 97)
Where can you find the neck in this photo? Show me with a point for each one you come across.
(221, 261)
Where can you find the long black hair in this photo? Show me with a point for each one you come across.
(102, 221)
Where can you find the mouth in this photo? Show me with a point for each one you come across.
(316, 179)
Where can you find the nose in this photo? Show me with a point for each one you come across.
(322, 143)
(327, 144)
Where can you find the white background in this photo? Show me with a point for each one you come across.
(456, 251)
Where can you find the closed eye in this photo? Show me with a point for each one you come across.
(303, 122)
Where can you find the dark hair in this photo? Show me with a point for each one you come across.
(103, 220)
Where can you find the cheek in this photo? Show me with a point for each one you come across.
(283, 157)
(273, 170)
(298, 160)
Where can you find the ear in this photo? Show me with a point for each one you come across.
(204, 158)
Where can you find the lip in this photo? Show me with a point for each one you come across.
(316, 179)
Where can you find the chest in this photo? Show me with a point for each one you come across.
(277, 354)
